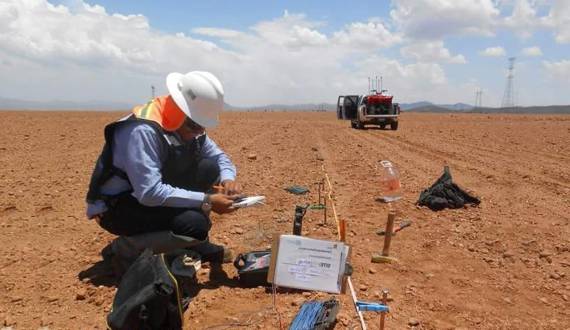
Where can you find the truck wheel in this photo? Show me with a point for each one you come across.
(394, 126)
(360, 125)
(352, 124)
(382, 126)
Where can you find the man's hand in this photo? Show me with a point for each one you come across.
(222, 203)
(231, 187)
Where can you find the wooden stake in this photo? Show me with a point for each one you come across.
(389, 232)
(325, 211)
(385, 256)
(385, 303)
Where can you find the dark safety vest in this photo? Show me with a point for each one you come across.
(182, 156)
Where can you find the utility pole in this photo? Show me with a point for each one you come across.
(152, 90)
(509, 96)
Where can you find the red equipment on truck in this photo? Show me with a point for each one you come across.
(375, 108)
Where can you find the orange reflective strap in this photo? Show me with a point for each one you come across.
(162, 110)
(172, 116)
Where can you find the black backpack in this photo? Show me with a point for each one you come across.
(148, 297)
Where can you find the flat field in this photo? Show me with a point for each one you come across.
(502, 265)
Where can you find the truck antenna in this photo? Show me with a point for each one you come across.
(376, 83)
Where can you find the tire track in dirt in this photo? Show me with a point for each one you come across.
(395, 148)
(483, 159)
(558, 158)
(378, 146)
(507, 157)
(416, 154)
(352, 200)
(542, 187)
(555, 159)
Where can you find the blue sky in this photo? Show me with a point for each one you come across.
(180, 16)
(287, 51)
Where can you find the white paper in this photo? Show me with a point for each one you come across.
(249, 201)
(310, 264)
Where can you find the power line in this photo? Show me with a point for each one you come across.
(478, 98)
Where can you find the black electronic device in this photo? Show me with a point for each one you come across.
(300, 211)
(253, 268)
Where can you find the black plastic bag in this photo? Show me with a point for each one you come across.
(445, 194)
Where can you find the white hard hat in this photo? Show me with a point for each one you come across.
(199, 94)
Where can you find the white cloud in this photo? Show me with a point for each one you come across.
(409, 82)
(291, 31)
(558, 70)
(83, 52)
(558, 19)
(493, 51)
(435, 19)
(431, 51)
(117, 57)
(88, 36)
(366, 35)
(422, 74)
(523, 19)
(532, 51)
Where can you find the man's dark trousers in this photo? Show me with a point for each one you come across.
(128, 217)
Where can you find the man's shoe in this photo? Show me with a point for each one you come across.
(213, 253)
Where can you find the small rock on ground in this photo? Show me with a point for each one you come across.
(413, 323)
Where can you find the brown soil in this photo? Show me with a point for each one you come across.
(502, 265)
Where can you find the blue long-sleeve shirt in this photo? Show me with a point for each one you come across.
(140, 153)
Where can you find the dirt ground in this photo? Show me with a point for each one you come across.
(502, 265)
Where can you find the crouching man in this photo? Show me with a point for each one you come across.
(152, 184)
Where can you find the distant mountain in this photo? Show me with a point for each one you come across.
(423, 106)
(285, 107)
(457, 106)
(410, 106)
(432, 108)
(550, 109)
(426, 105)
(14, 104)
